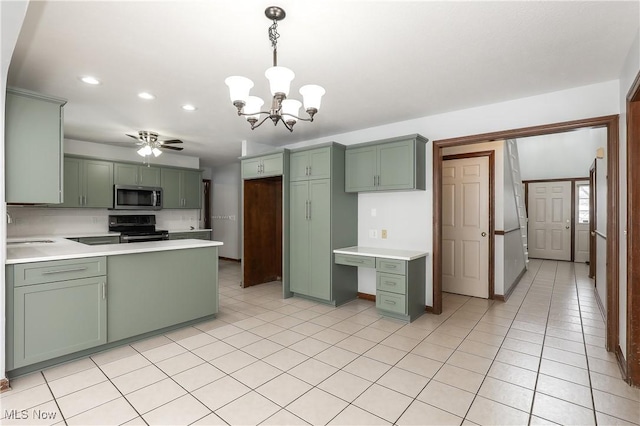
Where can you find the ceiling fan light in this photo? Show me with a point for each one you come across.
(156, 152)
(279, 79)
(290, 107)
(312, 96)
(238, 88)
(253, 106)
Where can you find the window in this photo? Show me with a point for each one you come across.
(583, 203)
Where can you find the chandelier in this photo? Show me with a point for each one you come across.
(282, 109)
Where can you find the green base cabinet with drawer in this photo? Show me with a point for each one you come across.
(322, 217)
(396, 164)
(194, 235)
(400, 287)
(56, 308)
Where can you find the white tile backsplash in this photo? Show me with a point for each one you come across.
(40, 221)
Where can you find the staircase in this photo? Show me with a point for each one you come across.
(518, 188)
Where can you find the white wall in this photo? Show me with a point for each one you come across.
(225, 209)
(627, 76)
(514, 260)
(560, 155)
(11, 17)
(408, 215)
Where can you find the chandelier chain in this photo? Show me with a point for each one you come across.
(274, 35)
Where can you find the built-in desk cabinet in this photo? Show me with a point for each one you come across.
(131, 174)
(55, 308)
(386, 165)
(33, 148)
(400, 278)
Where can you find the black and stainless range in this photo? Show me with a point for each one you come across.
(136, 228)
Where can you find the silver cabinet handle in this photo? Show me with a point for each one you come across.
(309, 209)
(309, 170)
(354, 261)
(390, 302)
(104, 290)
(80, 200)
(62, 271)
(391, 266)
(389, 283)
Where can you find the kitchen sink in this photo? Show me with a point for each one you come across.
(30, 242)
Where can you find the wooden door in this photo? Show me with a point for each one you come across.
(262, 231)
(550, 220)
(465, 226)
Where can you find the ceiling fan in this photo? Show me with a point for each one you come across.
(150, 144)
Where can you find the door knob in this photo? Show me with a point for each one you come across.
(593, 234)
(566, 227)
(484, 234)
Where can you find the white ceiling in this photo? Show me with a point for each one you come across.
(380, 61)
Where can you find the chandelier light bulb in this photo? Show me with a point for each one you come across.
(252, 107)
(239, 88)
(312, 96)
(290, 108)
(279, 79)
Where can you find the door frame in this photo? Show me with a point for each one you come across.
(573, 205)
(592, 220)
(633, 234)
(611, 123)
(492, 179)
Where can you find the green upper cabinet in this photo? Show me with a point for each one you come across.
(310, 164)
(33, 147)
(180, 188)
(87, 183)
(132, 174)
(387, 165)
(263, 166)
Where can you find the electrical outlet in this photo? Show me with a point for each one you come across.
(373, 233)
(374, 212)
(383, 234)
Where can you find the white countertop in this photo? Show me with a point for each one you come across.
(62, 248)
(382, 252)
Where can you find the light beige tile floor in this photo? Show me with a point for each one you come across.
(539, 358)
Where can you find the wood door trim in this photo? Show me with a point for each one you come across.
(632, 365)
(592, 221)
(611, 122)
(492, 207)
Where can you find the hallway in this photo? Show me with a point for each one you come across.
(536, 359)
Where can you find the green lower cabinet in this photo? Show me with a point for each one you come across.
(58, 318)
(195, 235)
(150, 291)
(400, 287)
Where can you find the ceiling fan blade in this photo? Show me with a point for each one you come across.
(174, 148)
(136, 137)
(170, 141)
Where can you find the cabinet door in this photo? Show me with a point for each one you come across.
(72, 183)
(98, 184)
(251, 168)
(396, 165)
(360, 169)
(191, 194)
(299, 166)
(33, 149)
(149, 176)
(320, 163)
(60, 318)
(125, 174)
(272, 165)
(299, 237)
(320, 239)
(171, 188)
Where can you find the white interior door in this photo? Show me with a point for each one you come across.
(465, 226)
(581, 223)
(550, 220)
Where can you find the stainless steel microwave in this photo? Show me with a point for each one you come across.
(132, 197)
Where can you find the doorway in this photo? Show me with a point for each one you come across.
(262, 236)
(549, 213)
(611, 123)
(466, 231)
(206, 204)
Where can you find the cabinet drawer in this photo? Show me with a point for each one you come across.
(391, 265)
(391, 282)
(58, 270)
(362, 261)
(391, 302)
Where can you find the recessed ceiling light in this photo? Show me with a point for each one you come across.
(146, 95)
(90, 80)
(189, 107)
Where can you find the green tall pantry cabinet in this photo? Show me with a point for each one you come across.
(322, 217)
